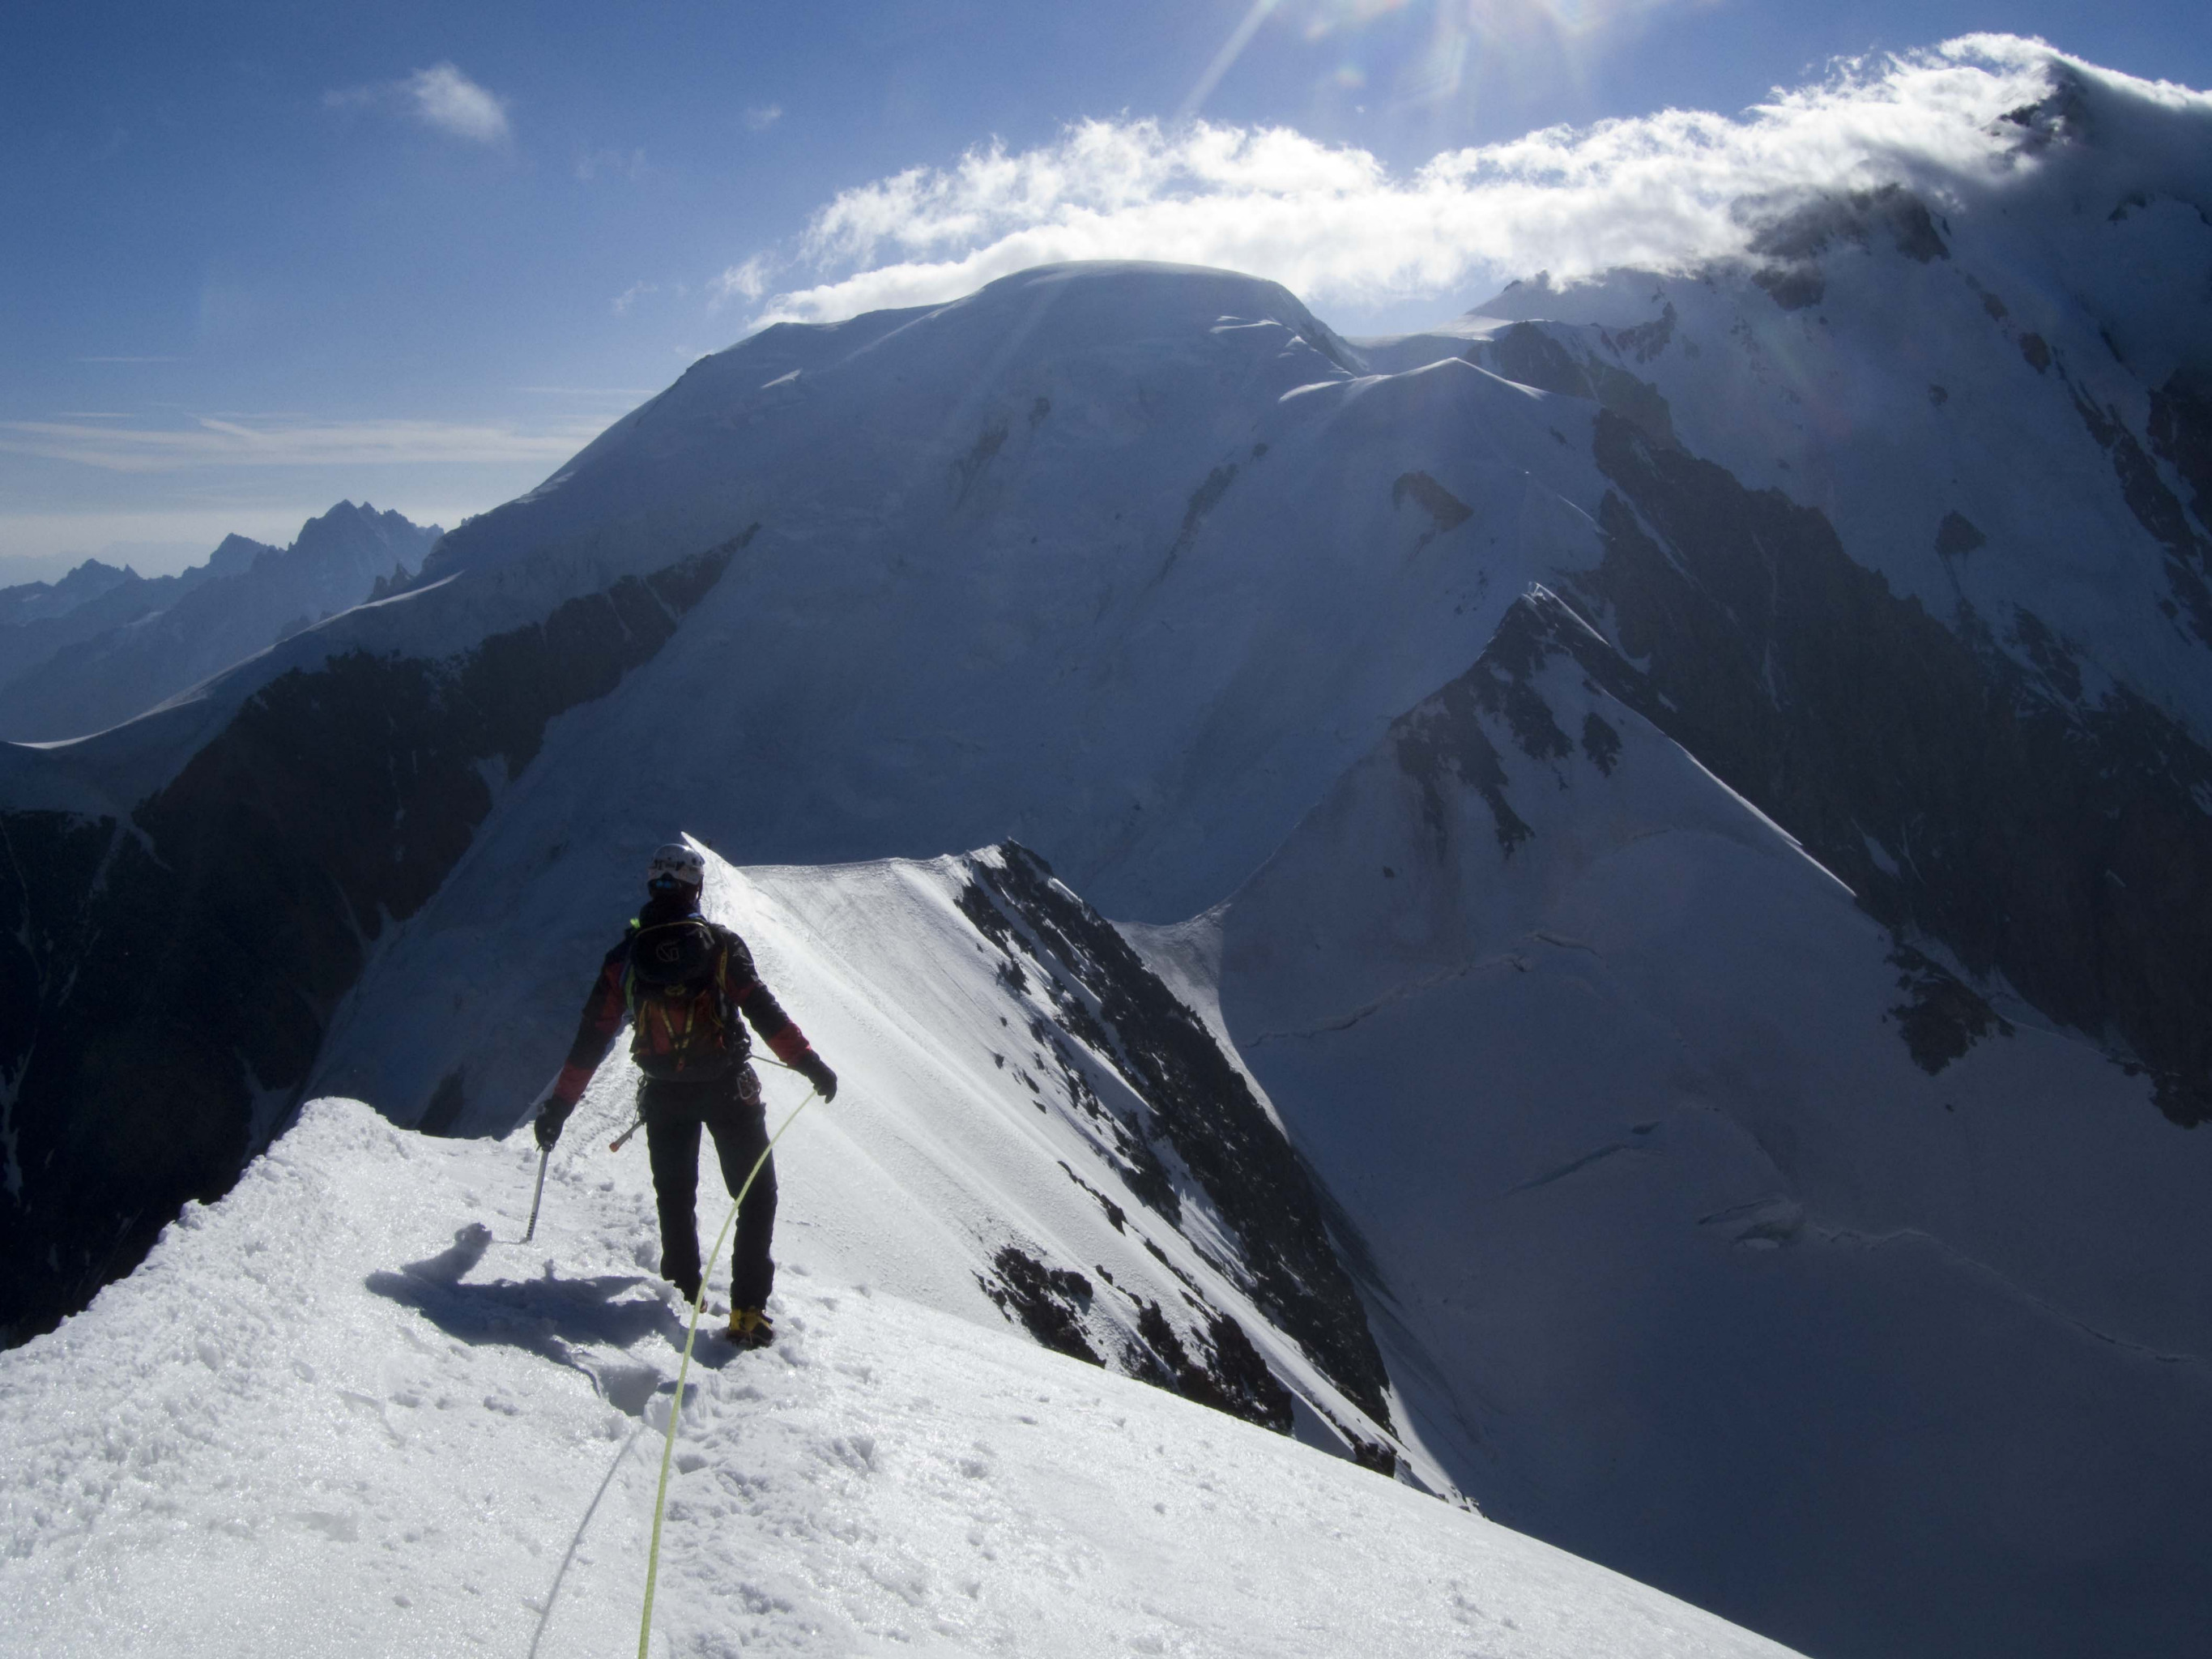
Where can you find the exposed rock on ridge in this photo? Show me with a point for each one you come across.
(1229, 1156)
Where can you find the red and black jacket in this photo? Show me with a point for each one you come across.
(608, 1007)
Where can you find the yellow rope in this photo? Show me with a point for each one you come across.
(675, 1405)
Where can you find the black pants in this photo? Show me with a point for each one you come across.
(730, 1109)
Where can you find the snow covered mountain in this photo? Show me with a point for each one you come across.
(418, 1435)
(1730, 1231)
(101, 646)
(1694, 788)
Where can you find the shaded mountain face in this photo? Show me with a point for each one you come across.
(1868, 863)
(123, 645)
(1741, 1244)
(170, 972)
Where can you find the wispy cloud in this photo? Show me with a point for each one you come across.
(211, 441)
(446, 99)
(1336, 224)
(594, 164)
(130, 360)
(747, 281)
(441, 97)
(761, 117)
(630, 295)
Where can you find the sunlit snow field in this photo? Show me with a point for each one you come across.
(345, 1411)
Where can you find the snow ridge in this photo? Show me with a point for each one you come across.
(326, 1418)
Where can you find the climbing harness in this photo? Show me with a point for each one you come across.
(638, 1122)
(684, 1370)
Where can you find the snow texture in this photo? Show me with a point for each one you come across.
(992, 1104)
(345, 1412)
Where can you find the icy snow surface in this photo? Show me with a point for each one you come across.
(344, 1411)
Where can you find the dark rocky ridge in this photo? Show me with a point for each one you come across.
(166, 982)
(1225, 1371)
(1105, 996)
(1525, 353)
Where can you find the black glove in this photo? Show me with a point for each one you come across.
(550, 1121)
(811, 1067)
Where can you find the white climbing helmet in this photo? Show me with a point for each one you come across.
(678, 865)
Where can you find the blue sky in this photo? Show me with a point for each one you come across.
(259, 257)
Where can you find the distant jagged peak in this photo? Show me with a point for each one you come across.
(28, 601)
(236, 554)
(92, 574)
(348, 527)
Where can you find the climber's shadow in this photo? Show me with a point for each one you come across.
(549, 1316)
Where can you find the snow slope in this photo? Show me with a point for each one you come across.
(1731, 1233)
(1032, 1105)
(345, 1412)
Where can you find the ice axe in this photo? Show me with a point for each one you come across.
(539, 1197)
(622, 1140)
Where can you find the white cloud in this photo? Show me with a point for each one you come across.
(441, 97)
(1337, 226)
(747, 282)
(447, 100)
(212, 440)
(761, 117)
(630, 295)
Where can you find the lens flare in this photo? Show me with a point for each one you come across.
(1440, 49)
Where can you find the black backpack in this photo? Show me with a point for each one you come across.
(685, 1026)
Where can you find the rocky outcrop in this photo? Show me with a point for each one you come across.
(1201, 1140)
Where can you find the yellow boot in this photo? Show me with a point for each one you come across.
(750, 1327)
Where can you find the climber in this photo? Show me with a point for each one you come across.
(684, 980)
